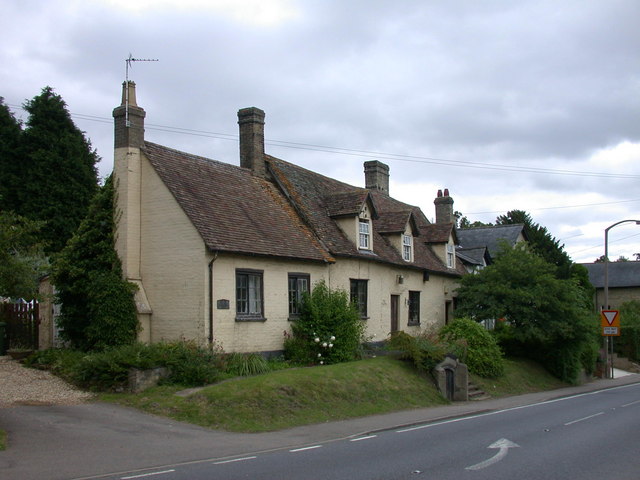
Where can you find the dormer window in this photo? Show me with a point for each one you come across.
(407, 248)
(365, 235)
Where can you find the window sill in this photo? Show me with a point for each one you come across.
(413, 324)
(250, 318)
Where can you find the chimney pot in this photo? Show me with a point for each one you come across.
(444, 207)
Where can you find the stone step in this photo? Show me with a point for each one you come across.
(476, 393)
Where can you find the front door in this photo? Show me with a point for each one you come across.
(395, 301)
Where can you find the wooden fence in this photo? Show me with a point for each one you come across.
(22, 321)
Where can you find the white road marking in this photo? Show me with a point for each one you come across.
(222, 462)
(147, 474)
(304, 448)
(632, 403)
(362, 438)
(504, 445)
(583, 419)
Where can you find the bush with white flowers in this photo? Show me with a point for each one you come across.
(328, 330)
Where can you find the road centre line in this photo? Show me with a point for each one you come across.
(147, 474)
(632, 403)
(233, 460)
(362, 438)
(497, 412)
(304, 448)
(584, 418)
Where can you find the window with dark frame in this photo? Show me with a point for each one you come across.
(414, 308)
(299, 283)
(359, 295)
(249, 295)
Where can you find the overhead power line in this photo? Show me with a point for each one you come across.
(373, 154)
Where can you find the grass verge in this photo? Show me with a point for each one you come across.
(3, 440)
(521, 376)
(293, 397)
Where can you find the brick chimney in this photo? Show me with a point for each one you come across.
(129, 119)
(444, 207)
(376, 176)
(251, 121)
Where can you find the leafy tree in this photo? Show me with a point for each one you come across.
(329, 329)
(10, 137)
(57, 176)
(21, 259)
(98, 308)
(543, 317)
(463, 222)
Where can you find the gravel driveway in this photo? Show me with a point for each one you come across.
(27, 386)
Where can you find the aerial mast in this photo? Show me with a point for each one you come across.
(128, 63)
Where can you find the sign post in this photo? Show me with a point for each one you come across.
(610, 324)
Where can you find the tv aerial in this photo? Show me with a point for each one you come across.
(129, 64)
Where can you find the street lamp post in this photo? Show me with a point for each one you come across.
(609, 368)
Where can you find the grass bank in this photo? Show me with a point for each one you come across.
(3, 440)
(302, 396)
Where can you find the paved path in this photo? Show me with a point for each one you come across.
(81, 441)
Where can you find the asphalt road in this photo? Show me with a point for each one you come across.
(589, 436)
(568, 438)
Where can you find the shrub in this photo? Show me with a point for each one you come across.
(328, 330)
(188, 364)
(475, 346)
(246, 364)
(629, 342)
(424, 350)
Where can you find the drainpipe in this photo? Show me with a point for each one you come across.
(215, 256)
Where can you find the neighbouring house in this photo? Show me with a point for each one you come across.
(623, 280)
(478, 246)
(223, 253)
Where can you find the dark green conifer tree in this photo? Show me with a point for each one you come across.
(57, 169)
(10, 133)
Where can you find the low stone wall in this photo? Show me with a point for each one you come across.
(140, 380)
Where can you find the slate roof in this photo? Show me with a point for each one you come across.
(292, 216)
(621, 274)
(490, 237)
(474, 256)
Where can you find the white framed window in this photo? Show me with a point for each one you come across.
(451, 256)
(407, 248)
(365, 235)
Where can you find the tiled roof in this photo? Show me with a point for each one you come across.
(438, 232)
(345, 204)
(311, 193)
(232, 209)
(292, 216)
(490, 237)
(474, 256)
(621, 274)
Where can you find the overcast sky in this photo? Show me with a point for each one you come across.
(531, 105)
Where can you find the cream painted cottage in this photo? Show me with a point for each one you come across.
(222, 253)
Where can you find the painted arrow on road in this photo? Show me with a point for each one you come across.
(504, 445)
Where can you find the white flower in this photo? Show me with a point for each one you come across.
(321, 362)
(324, 344)
(331, 345)
(332, 338)
(316, 339)
(319, 355)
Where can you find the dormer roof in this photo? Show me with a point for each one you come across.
(349, 204)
